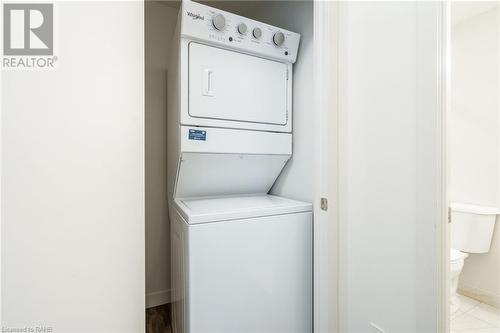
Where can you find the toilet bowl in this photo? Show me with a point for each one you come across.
(471, 232)
(457, 260)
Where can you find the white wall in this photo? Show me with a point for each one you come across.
(474, 130)
(160, 20)
(474, 118)
(388, 166)
(73, 177)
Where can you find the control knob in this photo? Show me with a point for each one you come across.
(242, 28)
(257, 33)
(219, 21)
(279, 38)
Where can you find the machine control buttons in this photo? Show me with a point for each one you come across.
(242, 28)
(219, 21)
(257, 33)
(279, 38)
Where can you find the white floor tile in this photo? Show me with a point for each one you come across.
(466, 322)
(486, 313)
(467, 303)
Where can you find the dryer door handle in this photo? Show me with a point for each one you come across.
(207, 82)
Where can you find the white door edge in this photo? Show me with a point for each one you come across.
(442, 231)
(326, 241)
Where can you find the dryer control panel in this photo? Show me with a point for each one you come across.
(203, 23)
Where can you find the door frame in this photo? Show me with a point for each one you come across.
(326, 226)
(442, 230)
(328, 280)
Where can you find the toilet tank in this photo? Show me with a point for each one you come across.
(472, 227)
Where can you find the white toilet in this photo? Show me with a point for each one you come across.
(471, 232)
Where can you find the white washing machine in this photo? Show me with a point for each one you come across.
(245, 264)
(241, 258)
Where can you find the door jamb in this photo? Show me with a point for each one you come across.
(442, 231)
(326, 240)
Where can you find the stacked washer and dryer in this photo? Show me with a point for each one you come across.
(241, 258)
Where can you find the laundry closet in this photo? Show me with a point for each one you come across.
(230, 164)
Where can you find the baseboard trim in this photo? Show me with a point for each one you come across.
(480, 295)
(158, 298)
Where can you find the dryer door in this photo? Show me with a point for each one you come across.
(235, 87)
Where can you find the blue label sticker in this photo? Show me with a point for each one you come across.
(197, 135)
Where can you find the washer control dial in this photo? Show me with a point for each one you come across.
(242, 28)
(279, 38)
(257, 33)
(219, 21)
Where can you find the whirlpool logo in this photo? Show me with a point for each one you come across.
(28, 35)
(196, 16)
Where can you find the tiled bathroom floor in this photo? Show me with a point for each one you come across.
(475, 317)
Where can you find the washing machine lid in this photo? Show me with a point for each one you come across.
(226, 208)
